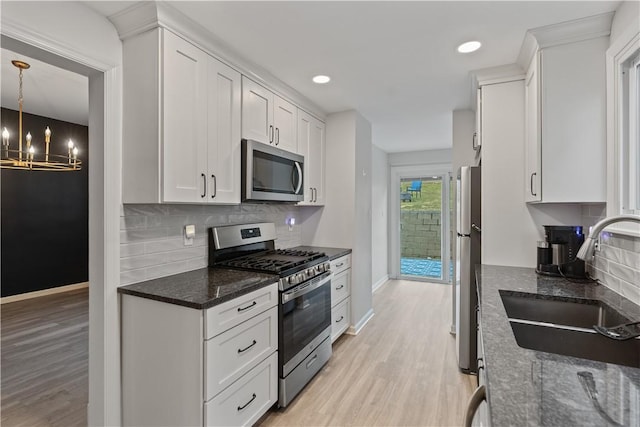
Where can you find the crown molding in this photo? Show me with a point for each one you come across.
(146, 15)
(562, 33)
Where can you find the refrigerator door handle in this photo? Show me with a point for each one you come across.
(463, 235)
(475, 227)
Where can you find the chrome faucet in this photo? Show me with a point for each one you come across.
(587, 248)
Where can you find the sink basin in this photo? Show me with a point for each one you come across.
(579, 312)
(564, 326)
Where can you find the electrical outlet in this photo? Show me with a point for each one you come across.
(189, 234)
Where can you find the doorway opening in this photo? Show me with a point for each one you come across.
(421, 217)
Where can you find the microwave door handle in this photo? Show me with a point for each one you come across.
(299, 177)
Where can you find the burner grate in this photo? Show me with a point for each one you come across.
(274, 261)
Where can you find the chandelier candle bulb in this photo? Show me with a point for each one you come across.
(28, 141)
(75, 156)
(5, 141)
(30, 156)
(70, 145)
(47, 139)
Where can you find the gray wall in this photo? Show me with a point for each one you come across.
(151, 242)
(425, 157)
(379, 217)
(346, 220)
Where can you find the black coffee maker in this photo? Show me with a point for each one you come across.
(557, 253)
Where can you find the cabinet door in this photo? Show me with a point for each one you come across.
(184, 123)
(532, 167)
(257, 112)
(311, 144)
(285, 120)
(224, 134)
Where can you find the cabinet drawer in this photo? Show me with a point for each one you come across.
(231, 313)
(340, 319)
(231, 354)
(341, 264)
(340, 286)
(244, 402)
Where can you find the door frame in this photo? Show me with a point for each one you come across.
(395, 175)
(105, 139)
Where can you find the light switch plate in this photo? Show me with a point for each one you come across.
(189, 234)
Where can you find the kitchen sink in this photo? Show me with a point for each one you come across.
(579, 312)
(563, 326)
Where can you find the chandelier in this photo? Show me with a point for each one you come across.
(29, 158)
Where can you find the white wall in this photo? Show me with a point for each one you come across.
(425, 157)
(379, 217)
(345, 220)
(72, 36)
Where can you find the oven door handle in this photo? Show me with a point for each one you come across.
(305, 288)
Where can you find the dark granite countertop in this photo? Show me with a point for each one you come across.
(333, 253)
(201, 288)
(535, 388)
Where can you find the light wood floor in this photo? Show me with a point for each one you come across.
(45, 360)
(399, 371)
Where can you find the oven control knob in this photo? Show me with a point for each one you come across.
(294, 280)
(327, 266)
(310, 272)
(320, 268)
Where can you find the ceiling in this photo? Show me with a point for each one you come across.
(393, 61)
(47, 90)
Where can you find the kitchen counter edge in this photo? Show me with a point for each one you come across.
(200, 289)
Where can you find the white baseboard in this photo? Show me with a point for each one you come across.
(51, 291)
(384, 279)
(355, 330)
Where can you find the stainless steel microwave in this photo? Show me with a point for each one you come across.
(270, 174)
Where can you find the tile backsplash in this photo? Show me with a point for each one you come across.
(617, 263)
(151, 236)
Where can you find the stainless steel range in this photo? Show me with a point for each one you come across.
(304, 312)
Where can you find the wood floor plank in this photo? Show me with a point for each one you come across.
(44, 360)
(400, 370)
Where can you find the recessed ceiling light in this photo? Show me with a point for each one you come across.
(469, 47)
(321, 79)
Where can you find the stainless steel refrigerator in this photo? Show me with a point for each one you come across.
(467, 256)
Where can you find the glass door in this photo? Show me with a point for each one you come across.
(424, 227)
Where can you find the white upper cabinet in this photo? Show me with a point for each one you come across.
(257, 112)
(181, 123)
(268, 118)
(532, 134)
(184, 120)
(566, 123)
(285, 123)
(224, 99)
(311, 144)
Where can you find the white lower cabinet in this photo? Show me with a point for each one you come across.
(230, 354)
(340, 315)
(247, 399)
(340, 296)
(188, 367)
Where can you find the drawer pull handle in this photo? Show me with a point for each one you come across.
(339, 287)
(247, 307)
(340, 319)
(240, 408)
(339, 265)
(242, 350)
(312, 361)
